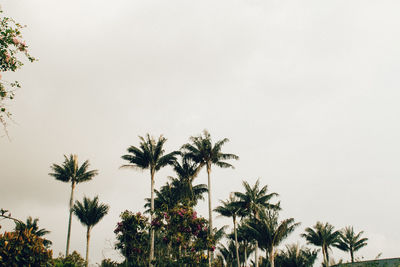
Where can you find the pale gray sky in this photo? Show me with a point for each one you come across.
(307, 92)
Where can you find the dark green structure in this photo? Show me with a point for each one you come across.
(395, 262)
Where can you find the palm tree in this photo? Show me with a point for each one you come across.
(253, 201)
(229, 209)
(270, 233)
(150, 155)
(70, 172)
(322, 235)
(33, 225)
(202, 151)
(89, 213)
(351, 242)
(296, 256)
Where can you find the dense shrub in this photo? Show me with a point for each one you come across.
(22, 248)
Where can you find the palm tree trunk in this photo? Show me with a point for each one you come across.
(256, 249)
(87, 245)
(236, 241)
(152, 172)
(256, 254)
(245, 254)
(325, 256)
(71, 204)
(271, 258)
(210, 254)
(352, 255)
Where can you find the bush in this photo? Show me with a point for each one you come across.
(22, 248)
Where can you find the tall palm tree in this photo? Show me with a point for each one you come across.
(254, 201)
(322, 235)
(270, 233)
(150, 155)
(89, 213)
(71, 172)
(296, 256)
(229, 209)
(33, 225)
(351, 242)
(202, 151)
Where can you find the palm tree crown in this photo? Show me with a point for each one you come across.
(322, 235)
(71, 172)
(149, 154)
(351, 242)
(90, 212)
(255, 199)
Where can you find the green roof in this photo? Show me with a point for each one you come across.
(395, 262)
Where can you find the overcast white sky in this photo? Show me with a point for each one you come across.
(306, 91)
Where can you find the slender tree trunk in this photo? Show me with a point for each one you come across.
(256, 254)
(210, 254)
(245, 254)
(152, 172)
(256, 249)
(71, 204)
(325, 256)
(352, 255)
(87, 245)
(272, 258)
(236, 241)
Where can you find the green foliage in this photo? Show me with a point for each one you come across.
(72, 260)
(11, 47)
(296, 256)
(132, 238)
(351, 242)
(110, 263)
(180, 190)
(71, 172)
(149, 154)
(185, 236)
(201, 150)
(322, 235)
(90, 212)
(269, 232)
(23, 248)
(33, 225)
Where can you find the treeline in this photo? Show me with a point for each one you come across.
(170, 233)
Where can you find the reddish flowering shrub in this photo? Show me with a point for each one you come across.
(185, 235)
(133, 238)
